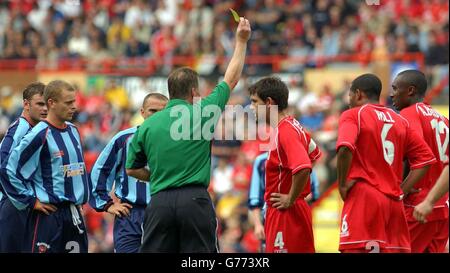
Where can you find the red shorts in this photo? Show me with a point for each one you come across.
(373, 222)
(430, 237)
(290, 230)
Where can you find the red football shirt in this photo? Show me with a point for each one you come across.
(293, 150)
(380, 139)
(434, 129)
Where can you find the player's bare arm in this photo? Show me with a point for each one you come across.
(413, 177)
(259, 227)
(142, 174)
(344, 160)
(234, 69)
(439, 189)
(284, 201)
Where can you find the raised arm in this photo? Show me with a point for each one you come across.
(234, 69)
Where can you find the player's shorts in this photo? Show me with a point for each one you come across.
(430, 237)
(12, 226)
(290, 230)
(128, 231)
(180, 220)
(373, 222)
(63, 231)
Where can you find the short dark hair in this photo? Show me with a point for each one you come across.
(181, 81)
(273, 87)
(54, 88)
(155, 95)
(33, 89)
(415, 78)
(369, 84)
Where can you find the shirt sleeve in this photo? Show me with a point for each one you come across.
(104, 173)
(219, 96)
(294, 155)
(136, 157)
(13, 136)
(417, 150)
(313, 150)
(348, 130)
(256, 192)
(20, 166)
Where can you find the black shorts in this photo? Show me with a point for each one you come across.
(180, 220)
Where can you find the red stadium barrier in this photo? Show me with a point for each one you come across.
(147, 66)
(434, 92)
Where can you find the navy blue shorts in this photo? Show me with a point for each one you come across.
(12, 226)
(60, 232)
(128, 231)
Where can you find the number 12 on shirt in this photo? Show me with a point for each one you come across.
(439, 128)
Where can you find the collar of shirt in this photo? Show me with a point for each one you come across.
(56, 127)
(174, 102)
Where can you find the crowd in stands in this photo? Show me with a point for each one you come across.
(160, 29)
(49, 30)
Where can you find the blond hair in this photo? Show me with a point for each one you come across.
(54, 89)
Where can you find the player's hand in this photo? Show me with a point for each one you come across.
(343, 191)
(120, 209)
(422, 210)
(309, 197)
(411, 191)
(243, 30)
(280, 201)
(43, 207)
(259, 232)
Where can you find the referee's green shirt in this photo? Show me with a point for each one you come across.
(176, 141)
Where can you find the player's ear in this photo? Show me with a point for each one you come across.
(26, 103)
(50, 102)
(195, 92)
(358, 94)
(411, 90)
(269, 101)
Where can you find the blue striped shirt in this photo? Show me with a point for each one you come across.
(50, 160)
(16, 131)
(109, 170)
(257, 184)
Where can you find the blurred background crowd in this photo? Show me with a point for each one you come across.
(48, 31)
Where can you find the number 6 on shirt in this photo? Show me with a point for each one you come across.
(388, 146)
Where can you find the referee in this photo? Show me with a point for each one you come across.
(180, 216)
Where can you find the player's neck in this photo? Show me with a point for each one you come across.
(282, 115)
(413, 101)
(376, 102)
(26, 115)
(53, 120)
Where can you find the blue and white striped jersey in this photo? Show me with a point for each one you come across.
(257, 183)
(109, 170)
(48, 164)
(16, 131)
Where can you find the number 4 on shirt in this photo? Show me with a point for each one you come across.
(279, 240)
